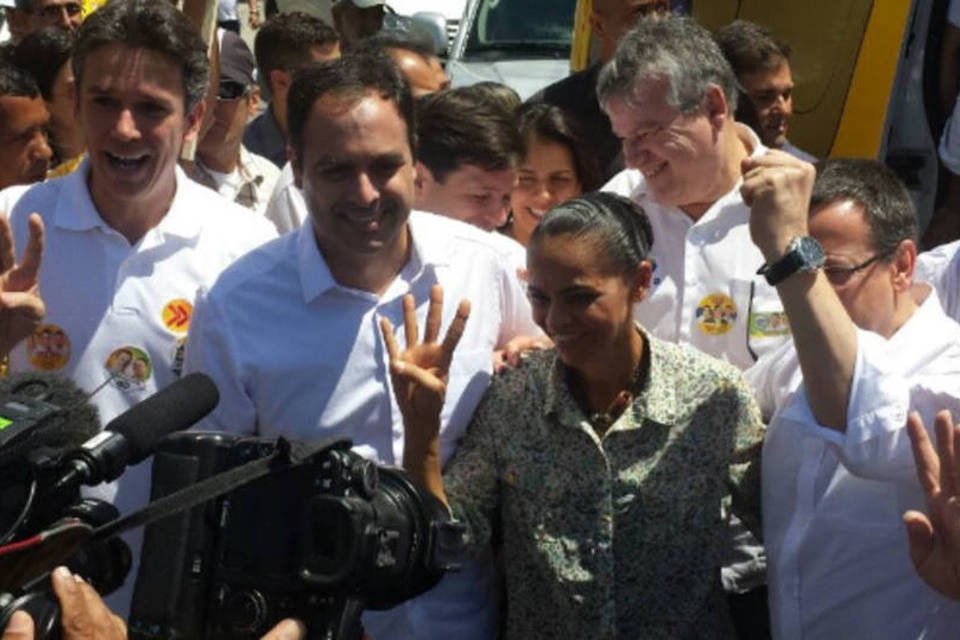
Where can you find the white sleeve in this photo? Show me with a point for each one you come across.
(875, 444)
(287, 209)
(211, 350)
(940, 267)
(516, 317)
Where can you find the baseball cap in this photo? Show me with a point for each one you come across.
(236, 60)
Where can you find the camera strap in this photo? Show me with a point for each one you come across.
(287, 455)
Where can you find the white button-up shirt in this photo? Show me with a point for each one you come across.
(838, 561)
(706, 291)
(296, 354)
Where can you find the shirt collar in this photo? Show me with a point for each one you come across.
(656, 401)
(75, 209)
(428, 250)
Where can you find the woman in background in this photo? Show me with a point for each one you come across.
(555, 167)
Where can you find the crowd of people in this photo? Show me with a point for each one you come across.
(675, 380)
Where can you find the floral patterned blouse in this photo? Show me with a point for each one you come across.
(618, 536)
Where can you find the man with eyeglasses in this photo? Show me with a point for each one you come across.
(837, 463)
(46, 13)
(223, 163)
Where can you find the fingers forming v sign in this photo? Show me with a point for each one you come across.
(419, 374)
(21, 308)
(935, 537)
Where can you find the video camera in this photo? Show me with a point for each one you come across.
(51, 444)
(319, 541)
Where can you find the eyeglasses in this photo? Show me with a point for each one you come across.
(840, 275)
(231, 90)
(54, 11)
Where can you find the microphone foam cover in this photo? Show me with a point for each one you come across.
(174, 408)
(77, 422)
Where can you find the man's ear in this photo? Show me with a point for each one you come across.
(596, 23)
(421, 176)
(279, 81)
(194, 120)
(904, 262)
(253, 100)
(718, 109)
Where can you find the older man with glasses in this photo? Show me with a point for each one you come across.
(222, 162)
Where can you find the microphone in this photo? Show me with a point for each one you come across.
(133, 435)
(43, 410)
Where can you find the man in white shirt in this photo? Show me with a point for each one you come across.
(129, 238)
(671, 95)
(305, 358)
(468, 149)
(869, 345)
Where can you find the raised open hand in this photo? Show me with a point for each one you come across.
(419, 377)
(21, 308)
(935, 536)
(419, 373)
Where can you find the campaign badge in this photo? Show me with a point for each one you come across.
(716, 314)
(176, 315)
(48, 348)
(129, 367)
(769, 324)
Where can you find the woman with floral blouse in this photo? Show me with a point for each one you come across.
(603, 461)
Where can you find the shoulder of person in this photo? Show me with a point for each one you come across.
(221, 215)
(457, 236)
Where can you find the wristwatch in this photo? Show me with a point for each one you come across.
(805, 254)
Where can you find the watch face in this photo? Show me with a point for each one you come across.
(811, 252)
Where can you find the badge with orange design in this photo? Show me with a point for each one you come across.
(716, 314)
(176, 315)
(48, 349)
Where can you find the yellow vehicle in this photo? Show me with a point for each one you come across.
(865, 74)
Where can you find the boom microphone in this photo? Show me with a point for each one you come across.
(133, 435)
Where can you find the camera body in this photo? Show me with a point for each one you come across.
(318, 541)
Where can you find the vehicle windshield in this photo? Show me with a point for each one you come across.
(521, 28)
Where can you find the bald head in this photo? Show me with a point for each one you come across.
(422, 71)
(612, 19)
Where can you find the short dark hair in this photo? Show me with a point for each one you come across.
(550, 122)
(750, 47)
(457, 128)
(496, 93)
(396, 39)
(284, 41)
(16, 82)
(673, 48)
(43, 53)
(886, 203)
(618, 225)
(155, 25)
(353, 76)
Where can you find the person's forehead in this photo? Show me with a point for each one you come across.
(842, 223)
(621, 7)
(471, 176)
(115, 66)
(778, 75)
(21, 113)
(348, 123)
(51, 3)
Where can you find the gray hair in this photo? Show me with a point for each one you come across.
(886, 203)
(674, 48)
